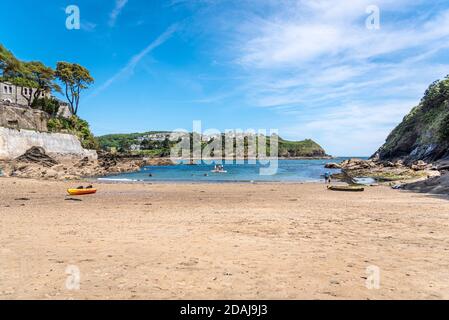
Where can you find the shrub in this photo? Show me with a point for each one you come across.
(76, 126)
(444, 129)
(48, 105)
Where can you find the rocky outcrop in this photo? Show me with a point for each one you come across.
(35, 163)
(37, 155)
(384, 171)
(424, 132)
(14, 143)
(434, 185)
(332, 165)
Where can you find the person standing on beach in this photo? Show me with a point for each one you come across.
(327, 177)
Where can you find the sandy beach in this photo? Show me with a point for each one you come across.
(221, 241)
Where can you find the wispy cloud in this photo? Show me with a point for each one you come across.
(313, 57)
(88, 26)
(134, 61)
(119, 6)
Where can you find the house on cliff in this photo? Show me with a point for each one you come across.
(11, 94)
(23, 127)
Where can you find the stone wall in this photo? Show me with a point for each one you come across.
(14, 143)
(18, 117)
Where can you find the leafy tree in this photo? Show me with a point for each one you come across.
(75, 78)
(444, 130)
(33, 77)
(436, 94)
(10, 66)
(43, 77)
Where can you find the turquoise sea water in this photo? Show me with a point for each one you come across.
(288, 171)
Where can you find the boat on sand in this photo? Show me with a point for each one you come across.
(81, 192)
(351, 188)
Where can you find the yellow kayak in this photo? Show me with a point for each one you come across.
(81, 192)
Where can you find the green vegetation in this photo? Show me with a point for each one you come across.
(75, 126)
(424, 132)
(75, 79)
(39, 78)
(444, 129)
(33, 75)
(36, 78)
(306, 148)
(9, 64)
(49, 105)
(138, 143)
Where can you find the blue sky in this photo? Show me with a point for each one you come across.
(309, 68)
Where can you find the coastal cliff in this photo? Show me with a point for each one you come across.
(415, 156)
(424, 132)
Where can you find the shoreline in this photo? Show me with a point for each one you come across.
(156, 182)
(243, 159)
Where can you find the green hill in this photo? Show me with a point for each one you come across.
(305, 148)
(153, 143)
(424, 132)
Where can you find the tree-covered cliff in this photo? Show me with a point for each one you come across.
(424, 132)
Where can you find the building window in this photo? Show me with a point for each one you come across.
(5, 89)
(10, 90)
(25, 90)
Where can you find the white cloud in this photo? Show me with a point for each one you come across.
(356, 129)
(309, 30)
(317, 58)
(119, 6)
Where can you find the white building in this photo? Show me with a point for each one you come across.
(15, 94)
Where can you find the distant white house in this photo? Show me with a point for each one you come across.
(135, 147)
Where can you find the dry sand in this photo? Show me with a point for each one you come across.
(221, 241)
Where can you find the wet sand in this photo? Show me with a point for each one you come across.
(221, 241)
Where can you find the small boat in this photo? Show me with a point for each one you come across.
(81, 192)
(354, 188)
(219, 171)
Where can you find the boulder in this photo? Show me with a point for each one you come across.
(357, 164)
(37, 155)
(399, 164)
(387, 164)
(332, 165)
(420, 165)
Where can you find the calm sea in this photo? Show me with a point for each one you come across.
(288, 171)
